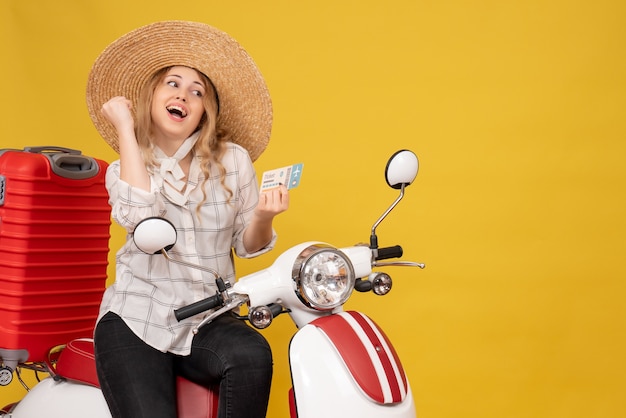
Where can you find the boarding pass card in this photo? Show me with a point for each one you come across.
(289, 176)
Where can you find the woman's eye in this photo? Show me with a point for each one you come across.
(197, 93)
(172, 84)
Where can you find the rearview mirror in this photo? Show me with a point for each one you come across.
(152, 235)
(401, 169)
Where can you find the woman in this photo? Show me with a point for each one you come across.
(188, 112)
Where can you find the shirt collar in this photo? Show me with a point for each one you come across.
(171, 172)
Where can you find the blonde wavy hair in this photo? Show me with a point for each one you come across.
(211, 141)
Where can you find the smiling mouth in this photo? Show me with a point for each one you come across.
(177, 111)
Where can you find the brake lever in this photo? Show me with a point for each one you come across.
(398, 263)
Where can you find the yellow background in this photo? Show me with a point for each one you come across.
(516, 110)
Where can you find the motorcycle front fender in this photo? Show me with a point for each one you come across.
(343, 366)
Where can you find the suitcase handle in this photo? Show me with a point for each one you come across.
(42, 149)
(67, 162)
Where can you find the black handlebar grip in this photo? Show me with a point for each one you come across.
(389, 252)
(198, 307)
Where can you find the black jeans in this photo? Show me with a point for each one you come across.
(139, 381)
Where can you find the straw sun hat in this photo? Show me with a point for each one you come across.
(129, 62)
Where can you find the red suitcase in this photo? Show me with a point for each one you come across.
(54, 236)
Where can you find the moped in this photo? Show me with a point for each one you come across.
(341, 362)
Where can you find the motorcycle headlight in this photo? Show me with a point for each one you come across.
(323, 277)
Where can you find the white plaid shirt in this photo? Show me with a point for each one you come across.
(147, 288)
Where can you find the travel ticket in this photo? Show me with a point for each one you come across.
(289, 176)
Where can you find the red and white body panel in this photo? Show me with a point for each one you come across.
(343, 365)
(76, 392)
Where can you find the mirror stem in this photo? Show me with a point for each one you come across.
(194, 266)
(373, 237)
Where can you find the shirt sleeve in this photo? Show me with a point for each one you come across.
(248, 194)
(130, 205)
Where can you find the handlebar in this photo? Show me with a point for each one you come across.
(198, 307)
(389, 252)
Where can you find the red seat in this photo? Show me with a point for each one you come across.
(76, 362)
(195, 401)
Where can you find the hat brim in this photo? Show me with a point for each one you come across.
(128, 63)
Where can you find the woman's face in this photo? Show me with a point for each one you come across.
(177, 107)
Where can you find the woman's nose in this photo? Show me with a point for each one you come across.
(182, 97)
